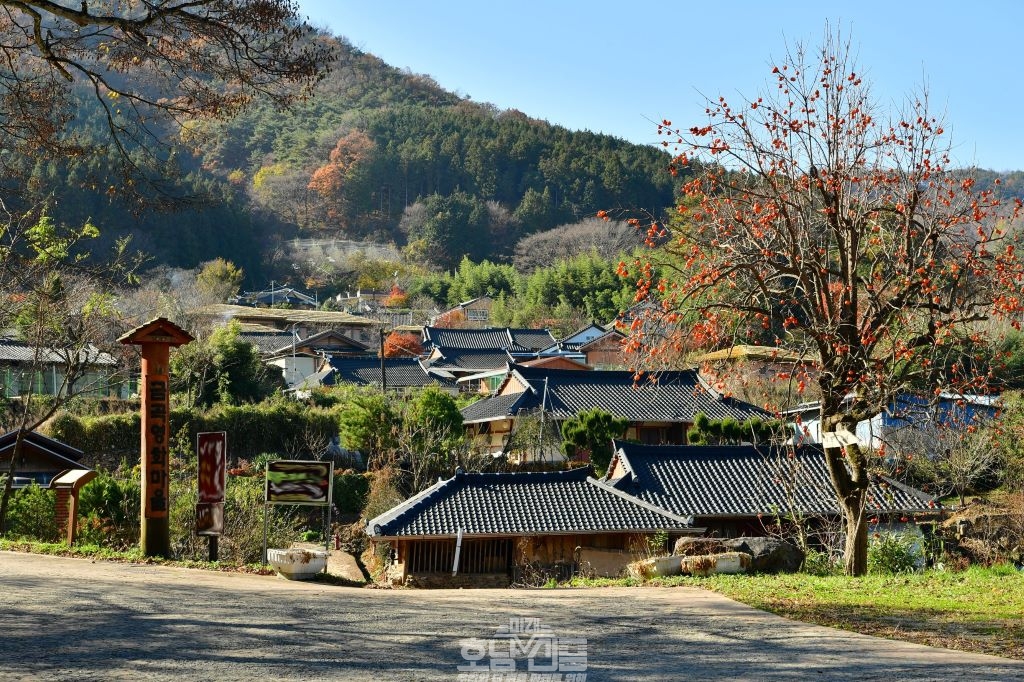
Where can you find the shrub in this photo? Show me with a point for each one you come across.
(31, 514)
(894, 553)
(242, 541)
(820, 563)
(350, 492)
(109, 509)
(279, 426)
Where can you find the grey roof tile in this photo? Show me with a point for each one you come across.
(522, 504)
(476, 360)
(744, 481)
(676, 397)
(267, 342)
(12, 350)
(402, 372)
(494, 407)
(520, 341)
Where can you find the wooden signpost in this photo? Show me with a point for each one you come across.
(156, 338)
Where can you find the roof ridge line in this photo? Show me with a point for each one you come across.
(408, 505)
(636, 500)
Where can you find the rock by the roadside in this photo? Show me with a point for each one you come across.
(770, 555)
(691, 546)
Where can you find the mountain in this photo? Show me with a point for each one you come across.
(375, 154)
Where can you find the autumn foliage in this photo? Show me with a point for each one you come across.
(402, 345)
(344, 163)
(397, 298)
(453, 319)
(813, 219)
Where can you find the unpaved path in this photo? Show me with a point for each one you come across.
(72, 619)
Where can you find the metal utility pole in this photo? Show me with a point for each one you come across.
(540, 438)
(383, 366)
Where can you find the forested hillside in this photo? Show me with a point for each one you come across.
(376, 154)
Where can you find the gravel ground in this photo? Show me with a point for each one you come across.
(72, 619)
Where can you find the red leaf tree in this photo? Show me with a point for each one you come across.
(809, 214)
(402, 345)
(337, 181)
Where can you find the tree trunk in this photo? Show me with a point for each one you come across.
(855, 553)
(848, 470)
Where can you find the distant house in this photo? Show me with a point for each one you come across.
(276, 296)
(476, 311)
(906, 413)
(299, 359)
(489, 381)
(594, 345)
(606, 351)
(759, 373)
(483, 530)
(736, 490)
(366, 371)
(658, 411)
(24, 369)
(304, 322)
(465, 352)
(364, 300)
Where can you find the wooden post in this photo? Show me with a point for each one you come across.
(156, 339)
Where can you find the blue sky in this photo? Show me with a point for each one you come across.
(616, 66)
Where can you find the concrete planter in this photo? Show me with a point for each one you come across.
(297, 564)
(654, 568)
(728, 562)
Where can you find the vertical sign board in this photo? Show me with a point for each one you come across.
(211, 449)
(156, 438)
(293, 481)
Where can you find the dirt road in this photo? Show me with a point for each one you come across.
(71, 619)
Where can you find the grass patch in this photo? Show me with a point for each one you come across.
(132, 556)
(979, 610)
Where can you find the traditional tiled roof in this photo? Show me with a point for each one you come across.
(402, 372)
(744, 481)
(516, 341)
(494, 407)
(267, 343)
(330, 341)
(282, 317)
(278, 295)
(470, 360)
(15, 351)
(578, 338)
(516, 504)
(675, 397)
(531, 339)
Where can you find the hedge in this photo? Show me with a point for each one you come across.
(287, 428)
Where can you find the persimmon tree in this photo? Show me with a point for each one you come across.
(815, 215)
